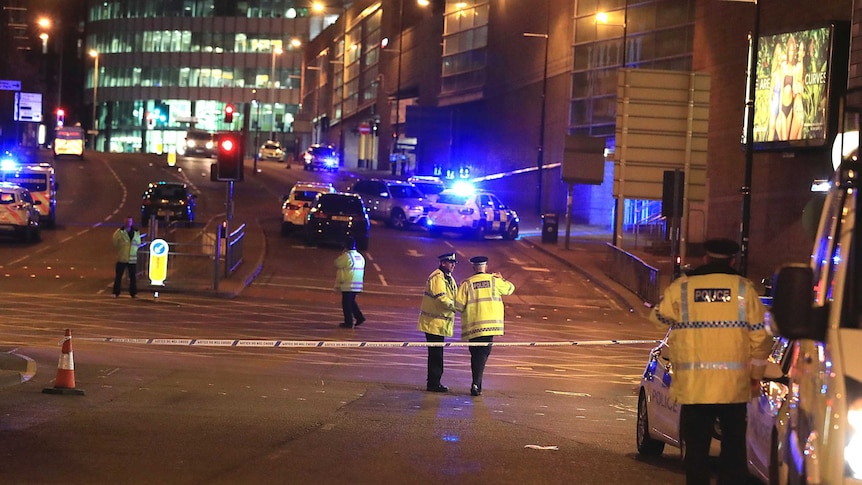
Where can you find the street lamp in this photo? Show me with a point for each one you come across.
(45, 23)
(540, 157)
(275, 52)
(95, 55)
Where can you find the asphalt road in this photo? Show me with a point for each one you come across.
(314, 408)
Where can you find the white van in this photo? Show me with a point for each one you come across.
(818, 306)
(69, 141)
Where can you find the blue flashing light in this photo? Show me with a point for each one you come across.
(8, 164)
(451, 438)
(463, 188)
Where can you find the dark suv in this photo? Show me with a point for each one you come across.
(335, 216)
(396, 202)
(171, 201)
(199, 143)
(321, 157)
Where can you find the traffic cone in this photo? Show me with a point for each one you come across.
(65, 381)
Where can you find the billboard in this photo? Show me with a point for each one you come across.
(800, 76)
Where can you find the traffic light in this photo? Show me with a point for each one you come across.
(61, 117)
(230, 157)
(228, 113)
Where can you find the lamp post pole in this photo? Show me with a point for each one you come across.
(95, 55)
(749, 144)
(275, 51)
(395, 131)
(540, 157)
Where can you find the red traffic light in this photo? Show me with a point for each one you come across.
(228, 113)
(227, 145)
(61, 112)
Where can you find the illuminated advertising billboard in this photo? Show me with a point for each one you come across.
(800, 76)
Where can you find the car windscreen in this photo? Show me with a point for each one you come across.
(305, 195)
(270, 146)
(429, 188)
(322, 152)
(34, 182)
(405, 192)
(454, 199)
(341, 205)
(198, 135)
(169, 193)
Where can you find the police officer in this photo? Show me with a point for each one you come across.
(126, 241)
(349, 275)
(479, 299)
(718, 347)
(437, 316)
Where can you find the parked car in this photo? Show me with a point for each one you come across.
(321, 157)
(471, 213)
(335, 216)
(429, 185)
(171, 201)
(295, 206)
(271, 150)
(396, 202)
(199, 143)
(658, 413)
(18, 212)
(767, 421)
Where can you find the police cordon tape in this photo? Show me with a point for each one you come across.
(192, 342)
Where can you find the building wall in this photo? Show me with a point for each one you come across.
(781, 181)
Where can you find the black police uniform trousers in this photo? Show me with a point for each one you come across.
(697, 423)
(350, 308)
(478, 357)
(121, 268)
(435, 360)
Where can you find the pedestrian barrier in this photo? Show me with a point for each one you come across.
(64, 383)
(633, 273)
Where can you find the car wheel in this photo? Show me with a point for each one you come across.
(511, 233)
(285, 229)
(481, 230)
(398, 220)
(646, 446)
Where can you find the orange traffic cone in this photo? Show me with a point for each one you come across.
(65, 381)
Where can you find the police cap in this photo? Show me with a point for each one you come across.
(447, 257)
(721, 248)
(479, 259)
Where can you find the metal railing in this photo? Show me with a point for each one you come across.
(634, 274)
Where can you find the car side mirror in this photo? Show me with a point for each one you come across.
(793, 304)
(384, 194)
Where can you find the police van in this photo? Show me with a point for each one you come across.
(69, 141)
(18, 214)
(38, 179)
(818, 307)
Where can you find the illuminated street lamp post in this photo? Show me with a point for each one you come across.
(275, 52)
(45, 23)
(95, 128)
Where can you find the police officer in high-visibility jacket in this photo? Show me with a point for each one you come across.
(718, 348)
(437, 317)
(479, 299)
(350, 272)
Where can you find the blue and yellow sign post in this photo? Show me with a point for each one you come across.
(158, 262)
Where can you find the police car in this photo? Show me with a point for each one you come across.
(658, 413)
(471, 212)
(297, 204)
(18, 213)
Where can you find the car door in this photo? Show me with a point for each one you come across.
(764, 412)
(663, 409)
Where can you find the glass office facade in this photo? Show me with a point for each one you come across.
(167, 67)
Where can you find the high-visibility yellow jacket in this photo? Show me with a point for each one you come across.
(718, 341)
(479, 299)
(350, 271)
(127, 247)
(437, 313)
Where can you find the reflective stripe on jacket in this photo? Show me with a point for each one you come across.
(350, 272)
(718, 341)
(479, 299)
(437, 313)
(127, 248)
